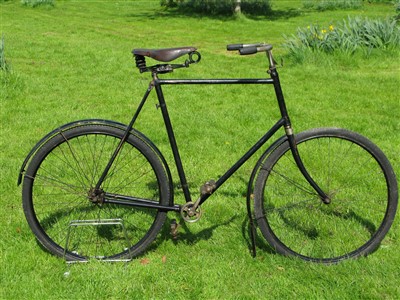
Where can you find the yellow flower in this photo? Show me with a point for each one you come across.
(323, 30)
(331, 28)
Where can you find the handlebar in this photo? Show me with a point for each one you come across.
(246, 49)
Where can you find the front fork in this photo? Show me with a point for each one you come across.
(296, 155)
(289, 131)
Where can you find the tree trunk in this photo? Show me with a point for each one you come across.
(237, 7)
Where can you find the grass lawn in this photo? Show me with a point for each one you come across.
(73, 61)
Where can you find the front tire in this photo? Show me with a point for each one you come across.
(352, 171)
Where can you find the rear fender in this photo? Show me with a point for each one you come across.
(96, 122)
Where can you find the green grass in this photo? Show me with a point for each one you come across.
(73, 61)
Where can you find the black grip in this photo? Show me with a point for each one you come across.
(233, 47)
(248, 50)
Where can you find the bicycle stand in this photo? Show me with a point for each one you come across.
(82, 224)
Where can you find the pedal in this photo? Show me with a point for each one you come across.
(174, 229)
(208, 187)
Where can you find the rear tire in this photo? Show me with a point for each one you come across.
(64, 170)
(352, 171)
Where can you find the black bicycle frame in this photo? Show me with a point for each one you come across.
(157, 83)
(160, 82)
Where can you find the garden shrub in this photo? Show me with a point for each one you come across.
(4, 66)
(209, 7)
(347, 36)
(256, 7)
(220, 7)
(35, 3)
(332, 4)
(10, 83)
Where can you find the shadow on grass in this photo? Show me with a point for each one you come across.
(187, 237)
(274, 15)
(191, 238)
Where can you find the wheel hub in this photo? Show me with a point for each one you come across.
(96, 196)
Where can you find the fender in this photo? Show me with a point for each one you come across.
(257, 167)
(97, 122)
(260, 161)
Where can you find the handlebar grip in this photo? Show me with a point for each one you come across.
(248, 50)
(233, 47)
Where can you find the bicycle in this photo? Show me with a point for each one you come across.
(322, 195)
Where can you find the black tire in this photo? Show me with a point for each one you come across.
(352, 171)
(64, 170)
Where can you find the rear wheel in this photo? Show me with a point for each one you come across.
(60, 180)
(352, 171)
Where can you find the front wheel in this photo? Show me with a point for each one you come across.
(353, 172)
(59, 182)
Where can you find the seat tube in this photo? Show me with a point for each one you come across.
(172, 139)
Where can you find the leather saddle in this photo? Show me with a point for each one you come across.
(164, 55)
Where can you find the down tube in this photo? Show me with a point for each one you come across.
(245, 157)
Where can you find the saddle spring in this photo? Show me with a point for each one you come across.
(141, 63)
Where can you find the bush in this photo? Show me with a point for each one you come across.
(397, 7)
(332, 4)
(348, 36)
(35, 3)
(10, 83)
(220, 7)
(170, 3)
(209, 7)
(256, 7)
(4, 66)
